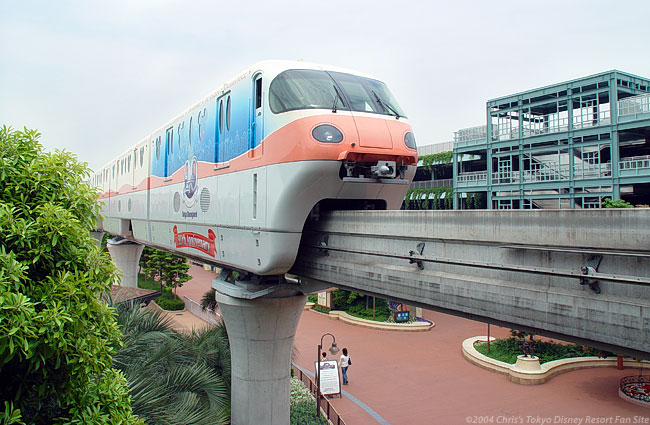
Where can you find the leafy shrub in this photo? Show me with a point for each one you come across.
(354, 303)
(303, 406)
(56, 335)
(507, 350)
(617, 203)
(172, 305)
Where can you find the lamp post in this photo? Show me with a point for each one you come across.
(333, 349)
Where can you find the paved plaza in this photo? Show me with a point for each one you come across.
(422, 378)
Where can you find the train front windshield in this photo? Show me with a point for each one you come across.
(310, 89)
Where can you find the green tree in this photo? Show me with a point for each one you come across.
(168, 269)
(56, 335)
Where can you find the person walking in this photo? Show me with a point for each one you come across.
(344, 363)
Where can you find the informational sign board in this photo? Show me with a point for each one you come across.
(325, 299)
(329, 377)
(401, 316)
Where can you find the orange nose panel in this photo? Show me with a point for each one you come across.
(373, 132)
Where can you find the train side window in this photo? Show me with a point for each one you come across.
(170, 140)
(201, 121)
(178, 132)
(190, 131)
(141, 156)
(258, 93)
(228, 114)
(158, 148)
(221, 116)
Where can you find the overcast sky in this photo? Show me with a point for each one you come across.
(94, 77)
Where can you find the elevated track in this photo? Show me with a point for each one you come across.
(576, 275)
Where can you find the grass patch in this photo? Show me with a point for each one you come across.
(507, 350)
(168, 300)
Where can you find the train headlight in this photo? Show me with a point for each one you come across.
(409, 140)
(327, 134)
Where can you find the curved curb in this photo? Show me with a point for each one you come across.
(383, 326)
(547, 370)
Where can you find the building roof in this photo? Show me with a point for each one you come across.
(120, 294)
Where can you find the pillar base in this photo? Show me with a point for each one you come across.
(261, 333)
(126, 257)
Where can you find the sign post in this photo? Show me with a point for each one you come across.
(330, 383)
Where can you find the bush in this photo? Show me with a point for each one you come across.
(507, 350)
(354, 303)
(56, 334)
(303, 406)
(617, 203)
(172, 305)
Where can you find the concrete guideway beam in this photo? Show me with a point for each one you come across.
(528, 270)
(261, 332)
(126, 257)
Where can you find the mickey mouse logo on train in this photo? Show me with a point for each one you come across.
(232, 180)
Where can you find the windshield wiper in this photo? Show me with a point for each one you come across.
(336, 98)
(385, 105)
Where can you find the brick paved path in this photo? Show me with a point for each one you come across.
(422, 377)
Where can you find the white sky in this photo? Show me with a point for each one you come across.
(94, 77)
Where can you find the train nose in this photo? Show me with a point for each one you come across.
(373, 132)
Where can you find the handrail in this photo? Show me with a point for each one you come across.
(208, 315)
(328, 410)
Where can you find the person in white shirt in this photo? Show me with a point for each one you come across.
(344, 363)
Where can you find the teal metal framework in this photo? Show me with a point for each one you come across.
(568, 145)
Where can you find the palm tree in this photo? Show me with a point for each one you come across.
(209, 301)
(174, 378)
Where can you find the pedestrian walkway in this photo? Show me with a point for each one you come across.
(422, 378)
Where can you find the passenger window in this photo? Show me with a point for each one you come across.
(178, 132)
(228, 114)
(221, 116)
(190, 131)
(258, 93)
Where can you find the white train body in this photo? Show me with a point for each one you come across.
(232, 180)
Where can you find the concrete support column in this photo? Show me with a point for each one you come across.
(126, 257)
(261, 333)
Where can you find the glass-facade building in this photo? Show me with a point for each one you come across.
(568, 145)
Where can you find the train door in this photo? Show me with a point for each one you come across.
(223, 148)
(257, 123)
(169, 150)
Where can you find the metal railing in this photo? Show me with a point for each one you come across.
(544, 172)
(326, 408)
(475, 177)
(505, 177)
(425, 184)
(634, 105)
(208, 315)
(592, 171)
(543, 124)
(471, 134)
(633, 165)
(590, 118)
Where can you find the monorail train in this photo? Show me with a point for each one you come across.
(232, 180)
